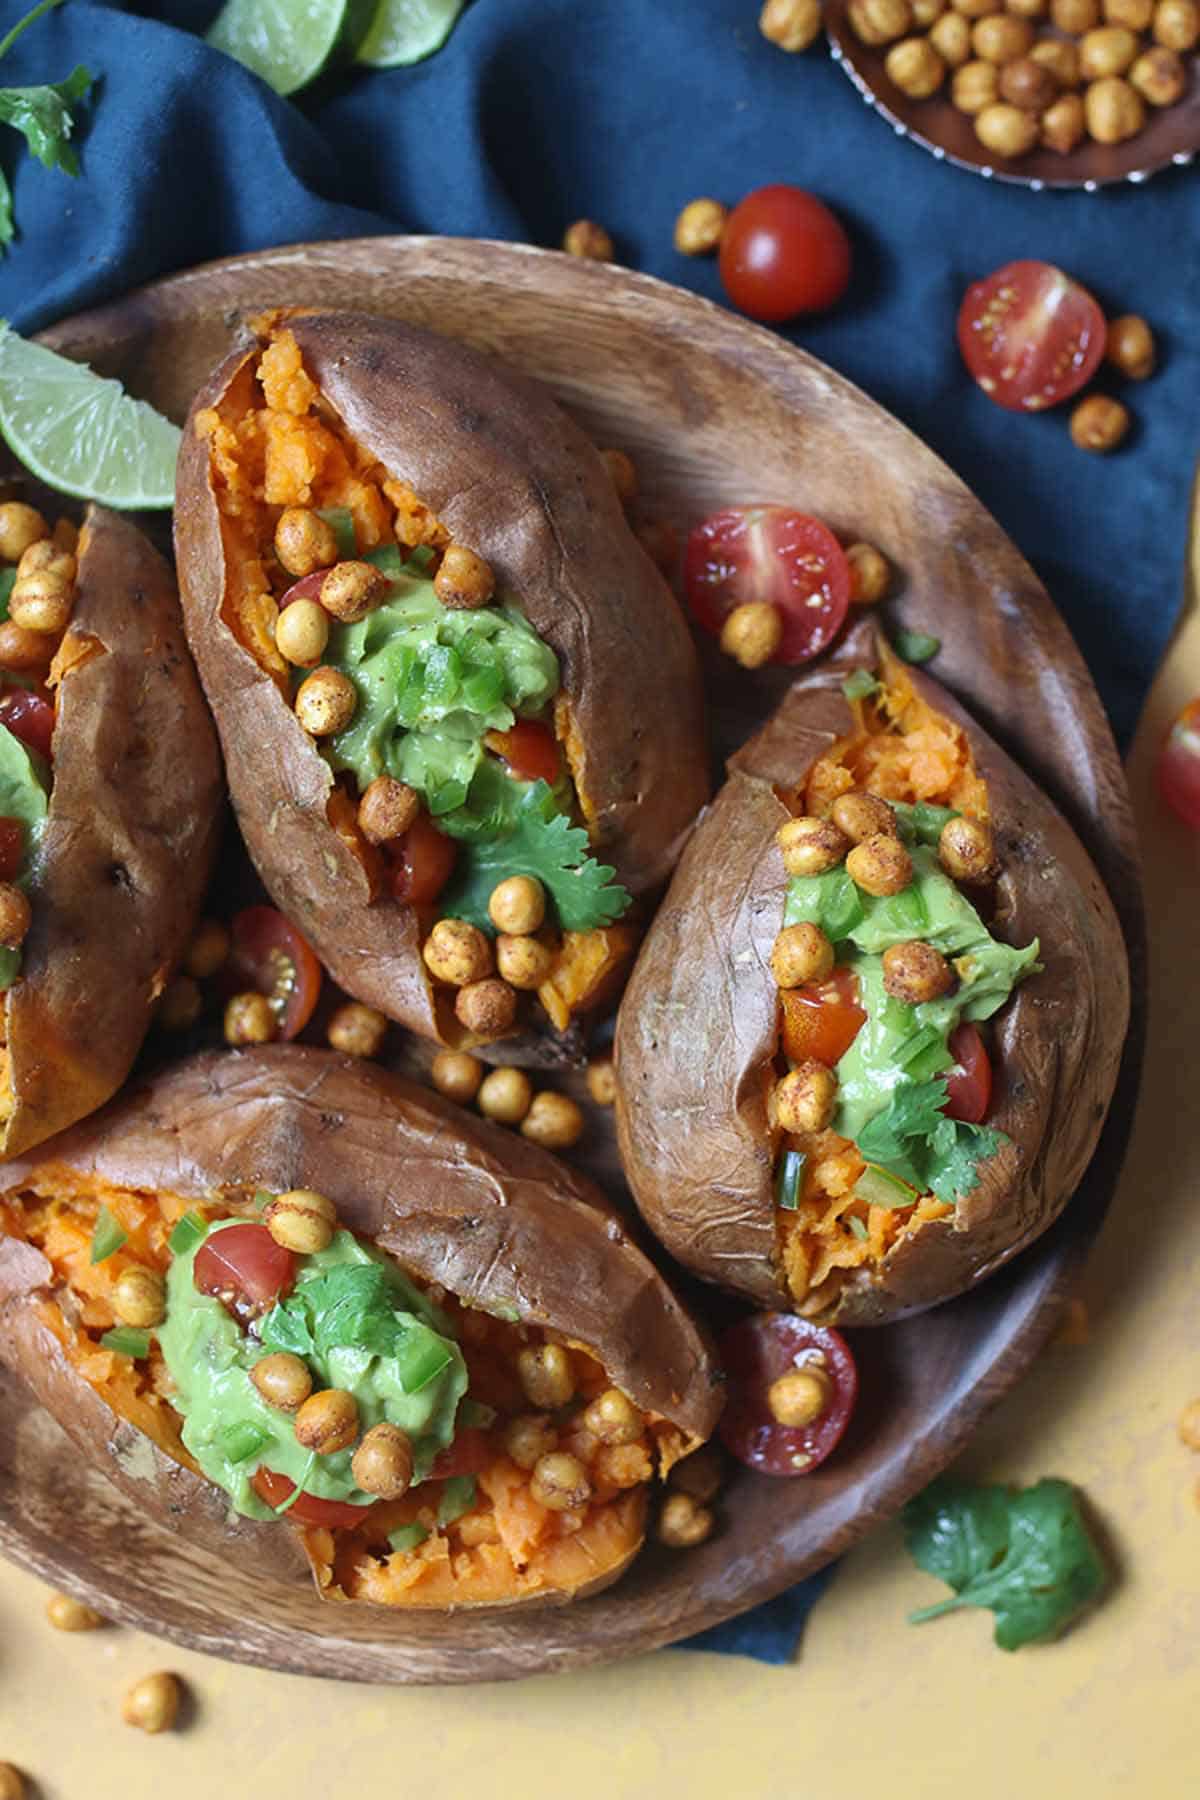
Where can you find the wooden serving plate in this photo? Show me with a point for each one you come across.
(713, 410)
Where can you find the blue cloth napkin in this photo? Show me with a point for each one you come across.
(541, 111)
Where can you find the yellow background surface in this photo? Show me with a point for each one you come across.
(872, 1706)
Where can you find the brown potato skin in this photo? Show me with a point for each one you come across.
(698, 1028)
(130, 836)
(513, 478)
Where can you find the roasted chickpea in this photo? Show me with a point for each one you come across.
(810, 846)
(1027, 9)
(752, 633)
(1113, 110)
(1159, 76)
(1176, 24)
(951, 38)
(1130, 345)
(801, 953)
(302, 633)
(1135, 14)
(1189, 1425)
(12, 1783)
(974, 87)
(560, 1482)
(250, 1019)
(602, 1080)
(682, 1524)
(16, 916)
(139, 1298)
(20, 526)
(1028, 84)
(966, 849)
(879, 22)
(524, 962)
(1063, 124)
(208, 950)
(352, 589)
(505, 1096)
(1006, 130)
(927, 12)
(304, 541)
(546, 1375)
(327, 1421)
(456, 1075)
(806, 1098)
(486, 1008)
(518, 906)
(554, 1121)
(800, 1396)
(181, 1004)
(26, 652)
(1109, 50)
(587, 239)
(1002, 38)
(621, 473)
(457, 953)
(613, 1418)
(68, 1614)
(861, 816)
(325, 702)
(357, 1030)
(870, 570)
(383, 1462)
(301, 1220)
(916, 972)
(1075, 16)
(41, 602)
(48, 557)
(1061, 58)
(1099, 423)
(660, 540)
(387, 810)
(880, 865)
(974, 9)
(699, 1474)
(915, 67)
(528, 1438)
(152, 1704)
(464, 582)
(789, 24)
(282, 1380)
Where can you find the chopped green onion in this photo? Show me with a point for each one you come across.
(190, 1231)
(879, 1187)
(915, 646)
(788, 1180)
(124, 1341)
(296, 1492)
(859, 684)
(7, 577)
(475, 1413)
(407, 1537)
(341, 519)
(420, 1358)
(107, 1237)
(241, 1441)
(922, 1039)
(856, 1225)
(458, 1497)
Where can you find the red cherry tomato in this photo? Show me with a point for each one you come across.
(823, 1019)
(1179, 766)
(470, 1454)
(783, 252)
(969, 1083)
(754, 1354)
(30, 717)
(307, 588)
(269, 955)
(1030, 336)
(529, 749)
(246, 1259)
(309, 1509)
(422, 862)
(769, 553)
(12, 848)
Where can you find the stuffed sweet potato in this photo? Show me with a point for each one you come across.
(111, 798)
(874, 1031)
(459, 707)
(498, 1372)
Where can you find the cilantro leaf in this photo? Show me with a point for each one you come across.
(1027, 1554)
(958, 1149)
(914, 1139)
(43, 117)
(543, 843)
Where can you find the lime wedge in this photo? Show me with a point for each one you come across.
(82, 433)
(403, 31)
(286, 42)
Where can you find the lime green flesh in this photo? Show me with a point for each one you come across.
(285, 42)
(403, 31)
(81, 433)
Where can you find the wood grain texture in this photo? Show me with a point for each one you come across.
(713, 411)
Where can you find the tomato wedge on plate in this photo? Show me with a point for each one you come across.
(772, 554)
(1030, 335)
(269, 955)
(273, 1489)
(755, 1353)
(823, 1019)
(1179, 766)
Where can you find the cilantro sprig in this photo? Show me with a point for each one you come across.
(915, 1140)
(42, 115)
(544, 843)
(353, 1307)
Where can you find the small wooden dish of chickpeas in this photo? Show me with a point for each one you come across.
(1049, 93)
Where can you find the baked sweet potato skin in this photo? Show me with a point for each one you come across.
(131, 831)
(512, 477)
(698, 1028)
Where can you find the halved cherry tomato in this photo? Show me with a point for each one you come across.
(1030, 335)
(470, 1454)
(1179, 766)
(422, 862)
(969, 1083)
(273, 1489)
(754, 1354)
(12, 848)
(246, 1259)
(529, 749)
(307, 588)
(269, 955)
(30, 717)
(769, 553)
(783, 252)
(823, 1019)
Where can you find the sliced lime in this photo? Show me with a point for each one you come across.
(286, 42)
(82, 433)
(403, 31)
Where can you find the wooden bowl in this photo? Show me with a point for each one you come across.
(713, 411)
(1171, 135)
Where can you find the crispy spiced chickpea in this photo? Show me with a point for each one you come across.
(870, 570)
(966, 849)
(152, 1704)
(621, 473)
(613, 1418)
(1130, 346)
(810, 846)
(974, 9)
(325, 702)
(699, 1474)
(1136, 14)
(806, 1098)
(951, 38)
(43, 596)
(487, 1008)
(48, 557)
(16, 916)
(528, 1438)
(518, 905)
(1061, 57)
(915, 972)
(927, 12)
(181, 1004)
(456, 1075)
(302, 633)
(383, 1463)
(464, 582)
(602, 1080)
(282, 1380)
(1113, 110)
(301, 1220)
(249, 1019)
(861, 816)
(682, 1524)
(304, 541)
(524, 962)
(1028, 84)
(880, 865)
(554, 1121)
(68, 1614)
(139, 1298)
(457, 953)
(505, 1095)
(1176, 24)
(1002, 38)
(791, 25)
(1109, 50)
(974, 87)
(879, 22)
(327, 1422)
(800, 1396)
(353, 589)
(1027, 9)
(12, 1783)
(587, 239)
(356, 1030)
(1159, 76)
(1099, 423)
(1063, 124)
(388, 808)
(801, 953)
(915, 67)
(208, 950)
(1075, 16)
(1006, 130)
(752, 633)
(25, 652)
(546, 1376)
(560, 1482)
(20, 526)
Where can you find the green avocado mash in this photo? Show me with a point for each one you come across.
(357, 1323)
(24, 795)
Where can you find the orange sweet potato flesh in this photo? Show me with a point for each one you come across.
(698, 1031)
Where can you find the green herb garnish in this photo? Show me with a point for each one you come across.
(125, 1341)
(306, 1471)
(341, 521)
(542, 842)
(859, 684)
(914, 1140)
(788, 1179)
(353, 1307)
(408, 1537)
(42, 115)
(922, 823)
(242, 1440)
(458, 1497)
(188, 1233)
(107, 1237)
(1025, 1553)
(915, 646)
